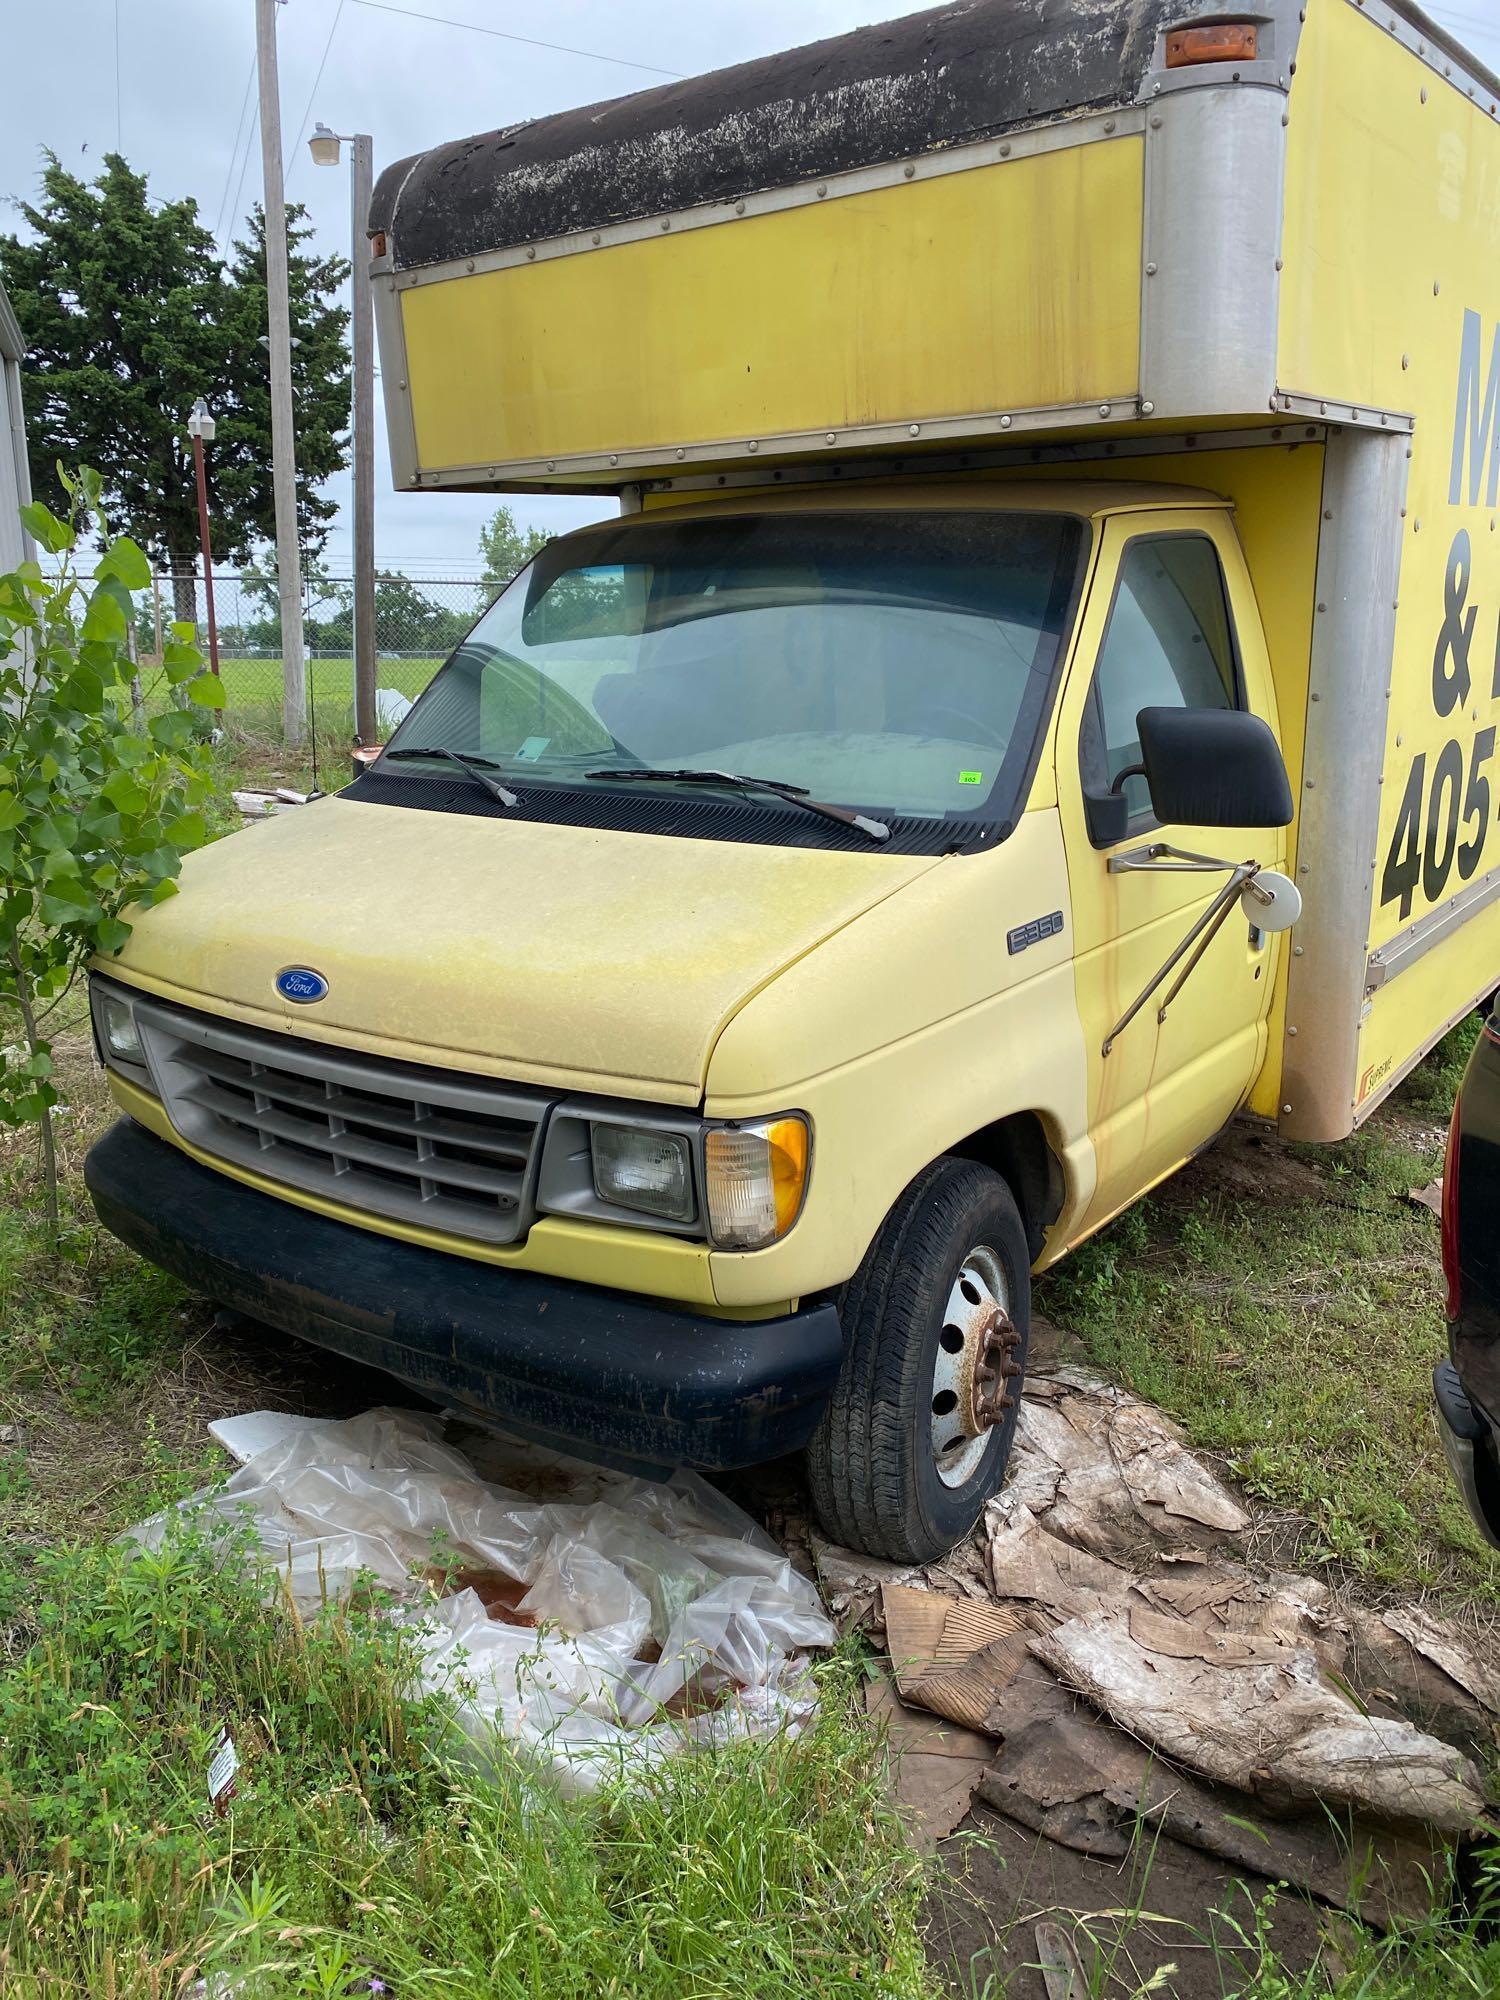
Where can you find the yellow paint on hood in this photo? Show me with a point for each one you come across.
(561, 955)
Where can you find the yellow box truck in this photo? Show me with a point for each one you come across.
(1058, 464)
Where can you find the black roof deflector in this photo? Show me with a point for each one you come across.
(942, 78)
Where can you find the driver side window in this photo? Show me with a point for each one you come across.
(1169, 643)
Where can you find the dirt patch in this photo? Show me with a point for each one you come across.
(1249, 1162)
(1164, 1905)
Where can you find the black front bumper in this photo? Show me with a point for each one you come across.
(623, 1377)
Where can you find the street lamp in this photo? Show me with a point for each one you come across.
(201, 429)
(324, 145)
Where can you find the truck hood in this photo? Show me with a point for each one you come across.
(560, 955)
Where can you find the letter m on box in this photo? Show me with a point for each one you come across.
(1476, 417)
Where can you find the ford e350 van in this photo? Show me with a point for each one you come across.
(1045, 544)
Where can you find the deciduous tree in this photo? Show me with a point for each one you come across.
(97, 804)
(505, 548)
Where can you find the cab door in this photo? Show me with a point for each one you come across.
(1170, 621)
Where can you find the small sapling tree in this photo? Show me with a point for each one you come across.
(97, 806)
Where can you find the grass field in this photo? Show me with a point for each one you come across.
(253, 695)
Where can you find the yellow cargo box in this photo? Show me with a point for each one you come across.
(893, 249)
(929, 231)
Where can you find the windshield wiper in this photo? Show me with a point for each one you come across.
(797, 795)
(469, 764)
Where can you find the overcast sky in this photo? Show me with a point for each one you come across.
(170, 82)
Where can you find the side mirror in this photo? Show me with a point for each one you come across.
(1213, 767)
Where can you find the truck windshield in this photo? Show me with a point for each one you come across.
(895, 661)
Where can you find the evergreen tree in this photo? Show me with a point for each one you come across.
(128, 316)
(321, 379)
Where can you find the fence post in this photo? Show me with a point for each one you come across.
(132, 647)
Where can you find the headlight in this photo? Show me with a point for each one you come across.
(644, 1170)
(756, 1176)
(118, 1031)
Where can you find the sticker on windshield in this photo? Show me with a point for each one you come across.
(971, 777)
(531, 749)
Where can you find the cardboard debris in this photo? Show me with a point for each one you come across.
(1062, 1973)
(1267, 1724)
(1054, 1778)
(1438, 1640)
(1135, 1667)
(935, 1765)
(1026, 1561)
(1111, 1474)
(1375, 1871)
(955, 1657)
(1396, 1677)
(851, 1584)
(1430, 1196)
(1081, 1782)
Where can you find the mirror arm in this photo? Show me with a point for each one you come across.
(1161, 858)
(1202, 934)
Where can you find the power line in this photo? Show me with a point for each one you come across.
(322, 65)
(1451, 17)
(119, 142)
(500, 34)
(222, 217)
(234, 206)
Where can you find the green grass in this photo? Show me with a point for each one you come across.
(1292, 1328)
(255, 754)
(252, 687)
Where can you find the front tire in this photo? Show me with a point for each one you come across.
(918, 1430)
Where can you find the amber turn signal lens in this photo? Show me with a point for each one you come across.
(1224, 41)
(756, 1175)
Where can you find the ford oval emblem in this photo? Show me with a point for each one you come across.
(301, 983)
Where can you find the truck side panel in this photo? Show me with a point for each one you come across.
(1391, 300)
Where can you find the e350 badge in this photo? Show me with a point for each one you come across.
(300, 983)
(1025, 935)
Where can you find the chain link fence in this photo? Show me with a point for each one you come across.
(418, 622)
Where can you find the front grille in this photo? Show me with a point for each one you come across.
(394, 1139)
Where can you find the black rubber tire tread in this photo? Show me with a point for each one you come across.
(862, 1462)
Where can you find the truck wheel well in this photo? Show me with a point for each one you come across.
(1016, 1148)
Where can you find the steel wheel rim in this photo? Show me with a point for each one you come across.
(958, 1441)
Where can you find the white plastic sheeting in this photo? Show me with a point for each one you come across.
(599, 1622)
(391, 707)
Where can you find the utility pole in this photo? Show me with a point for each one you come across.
(283, 435)
(366, 723)
(324, 146)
